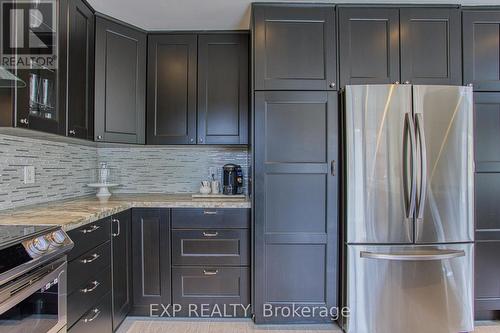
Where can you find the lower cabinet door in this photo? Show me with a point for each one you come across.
(296, 205)
(211, 291)
(97, 319)
(150, 259)
(121, 267)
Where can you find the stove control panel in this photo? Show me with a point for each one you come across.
(45, 244)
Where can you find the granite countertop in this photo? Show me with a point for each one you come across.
(76, 212)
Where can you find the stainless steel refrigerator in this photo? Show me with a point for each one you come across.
(408, 209)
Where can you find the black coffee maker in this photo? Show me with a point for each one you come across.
(232, 179)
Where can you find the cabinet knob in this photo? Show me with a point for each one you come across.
(201, 140)
(72, 132)
(407, 82)
(99, 137)
(470, 85)
(191, 140)
(397, 82)
(332, 85)
(24, 121)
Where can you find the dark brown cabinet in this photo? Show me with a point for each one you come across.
(171, 96)
(295, 47)
(222, 89)
(387, 45)
(487, 283)
(431, 50)
(120, 85)
(210, 286)
(80, 96)
(197, 89)
(211, 259)
(89, 277)
(369, 45)
(481, 67)
(487, 192)
(121, 266)
(295, 180)
(481, 52)
(37, 108)
(487, 131)
(97, 319)
(150, 259)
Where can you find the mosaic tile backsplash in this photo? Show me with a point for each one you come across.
(62, 170)
(167, 169)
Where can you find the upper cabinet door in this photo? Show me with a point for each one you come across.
(171, 95)
(120, 85)
(369, 45)
(295, 47)
(80, 70)
(481, 35)
(223, 89)
(431, 46)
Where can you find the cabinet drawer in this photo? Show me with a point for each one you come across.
(210, 247)
(89, 236)
(210, 218)
(88, 294)
(211, 285)
(82, 268)
(97, 319)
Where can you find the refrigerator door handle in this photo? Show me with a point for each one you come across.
(422, 255)
(423, 165)
(410, 194)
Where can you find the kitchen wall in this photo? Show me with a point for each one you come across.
(160, 169)
(63, 169)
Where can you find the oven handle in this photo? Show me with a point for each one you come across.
(30, 289)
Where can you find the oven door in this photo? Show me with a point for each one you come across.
(35, 302)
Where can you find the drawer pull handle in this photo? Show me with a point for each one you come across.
(210, 272)
(210, 234)
(117, 221)
(95, 284)
(91, 229)
(210, 212)
(90, 259)
(96, 312)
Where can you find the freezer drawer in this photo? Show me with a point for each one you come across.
(410, 289)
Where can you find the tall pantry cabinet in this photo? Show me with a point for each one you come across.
(295, 149)
(481, 37)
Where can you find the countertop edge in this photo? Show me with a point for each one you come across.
(72, 214)
(115, 210)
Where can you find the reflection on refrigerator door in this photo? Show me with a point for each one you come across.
(443, 115)
(376, 121)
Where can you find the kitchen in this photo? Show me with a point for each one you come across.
(237, 166)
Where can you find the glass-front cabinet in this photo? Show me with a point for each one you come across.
(33, 72)
(39, 103)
